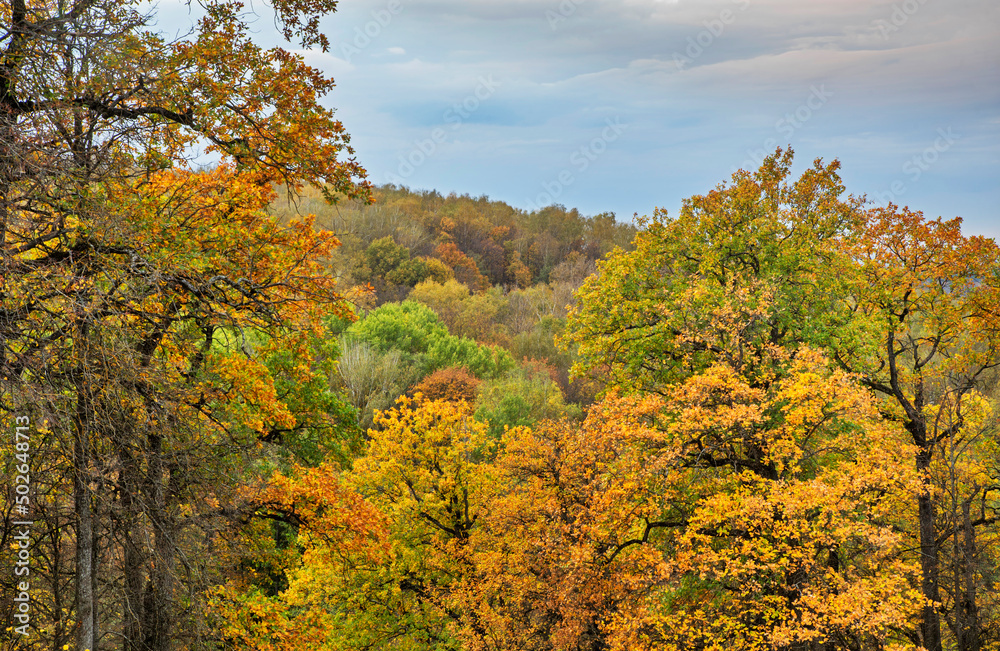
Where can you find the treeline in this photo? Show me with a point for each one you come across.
(409, 237)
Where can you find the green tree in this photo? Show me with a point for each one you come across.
(754, 264)
(523, 397)
(425, 343)
(388, 266)
(408, 327)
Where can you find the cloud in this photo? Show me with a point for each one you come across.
(700, 82)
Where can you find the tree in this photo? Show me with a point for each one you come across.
(465, 269)
(388, 266)
(908, 305)
(129, 283)
(932, 299)
(335, 531)
(551, 566)
(465, 314)
(724, 514)
(752, 265)
(424, 471)
(371, 379)
(162, 379)
(417, 332)
(524, 396)
(454, 384)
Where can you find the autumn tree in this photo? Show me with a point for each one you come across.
(129, 283)
(385, 547)
(932, 298)
(764, 264)
(725, 514)
(745, 278)
(465, 314)
(552, 561)
(454, 384)
(465, 269)
(170, 387)
(334, 534)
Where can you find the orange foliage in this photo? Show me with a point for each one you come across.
(464, 267)
(448, 384)
(720, 515)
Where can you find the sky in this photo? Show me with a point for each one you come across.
(628, 105)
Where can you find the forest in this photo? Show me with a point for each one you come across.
(265, 404)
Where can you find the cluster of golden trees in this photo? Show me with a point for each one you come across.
(796, 449)
(795, 444)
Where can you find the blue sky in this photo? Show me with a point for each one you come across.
(627, 105)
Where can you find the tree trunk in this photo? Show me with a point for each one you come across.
(86, 601)
(930, 624)
(161, 582)
(133, 566)
(968, 612)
